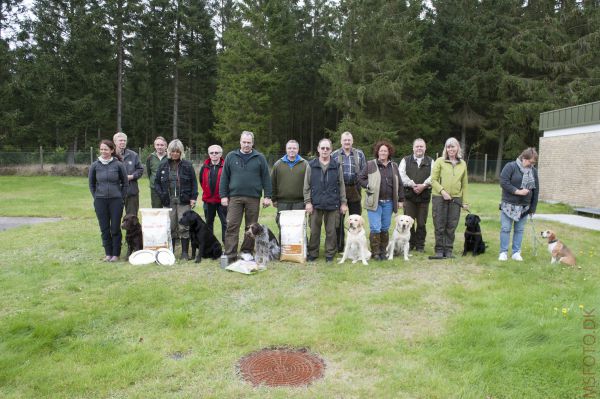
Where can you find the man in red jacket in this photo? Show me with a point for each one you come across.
(210, 178)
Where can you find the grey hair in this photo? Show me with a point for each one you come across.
(346, 133)
(419, 139)
(218, 147)
(247, 133)
(118, 135)
(292, 142)
(324, 139)
(454, 142)
(176, 145)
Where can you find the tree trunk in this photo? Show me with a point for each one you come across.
(500, 154)
(176, 75)
(120, 51)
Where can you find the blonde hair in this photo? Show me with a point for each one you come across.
(454, 142)
(176, 146)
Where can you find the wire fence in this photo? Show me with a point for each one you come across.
(480, 167)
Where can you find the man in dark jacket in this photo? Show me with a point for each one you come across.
(325, 199)
(210, 179)
(134, 169)
(244, 179)
(152, 162)
(415, 172)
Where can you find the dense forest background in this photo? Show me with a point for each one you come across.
(75, 71)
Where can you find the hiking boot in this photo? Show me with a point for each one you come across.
(438, 255)
(375, 240)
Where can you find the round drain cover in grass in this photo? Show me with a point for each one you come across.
(281, 367)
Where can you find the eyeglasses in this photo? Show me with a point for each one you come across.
(214, 153)
(325, 148)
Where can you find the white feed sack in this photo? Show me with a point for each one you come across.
(293, 235)
(156, 228)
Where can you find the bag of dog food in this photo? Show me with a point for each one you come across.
(156, 228)
(293, 235)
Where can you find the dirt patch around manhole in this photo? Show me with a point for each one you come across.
(12, 222)
(281, 366)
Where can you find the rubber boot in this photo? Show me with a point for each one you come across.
(174, 243)
(385, 240)
(185, 246)
(375, 240)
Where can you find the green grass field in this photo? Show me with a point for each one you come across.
(72, 326)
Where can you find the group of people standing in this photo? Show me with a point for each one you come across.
(327, 187)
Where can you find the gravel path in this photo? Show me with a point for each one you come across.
(11, 222)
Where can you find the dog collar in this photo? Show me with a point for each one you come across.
(552, 242)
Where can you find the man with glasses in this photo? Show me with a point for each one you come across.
(210, 178)
(152, 163)
(287, 179)
(244, 179)
(324, 199)
(352, 161)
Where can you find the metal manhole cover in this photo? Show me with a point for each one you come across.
(277, 367)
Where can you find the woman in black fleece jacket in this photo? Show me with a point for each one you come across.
(108, 185)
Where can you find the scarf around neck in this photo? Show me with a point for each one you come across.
(105, 161)
(528, 181)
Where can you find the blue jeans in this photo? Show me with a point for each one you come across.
(506, 224)
(381, 218)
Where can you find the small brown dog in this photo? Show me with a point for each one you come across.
(558, 250)
(133, 234)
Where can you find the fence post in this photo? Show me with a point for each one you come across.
(41, 158)
(91, 155)
(485, 168)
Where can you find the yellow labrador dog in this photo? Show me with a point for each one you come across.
(356, 241)
(400, 242)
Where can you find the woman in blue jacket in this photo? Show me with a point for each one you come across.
(520, 190)
(108, 185)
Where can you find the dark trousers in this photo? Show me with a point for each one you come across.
(155, 199)
(132, 204)
(238, 208)
(418, 211)
(108, 212)
(354, 208)
(210, 211)
(330, 219)
(446, 215)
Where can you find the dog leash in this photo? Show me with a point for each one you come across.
(460, 205)
(535, 239)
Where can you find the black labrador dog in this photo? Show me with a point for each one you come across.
(204, 242)
(473, 240)
(133, 234)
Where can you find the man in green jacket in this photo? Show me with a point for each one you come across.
(244, 179)
(287, 179)
(152, 162)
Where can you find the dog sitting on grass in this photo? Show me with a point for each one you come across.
(473, 240)
(266, 245)
(133, 234)
(204, 242)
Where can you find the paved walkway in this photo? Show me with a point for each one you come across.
(573, 220)
(11, 222)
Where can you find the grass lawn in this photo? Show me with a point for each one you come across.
(72, 326)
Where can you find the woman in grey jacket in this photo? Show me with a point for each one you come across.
(108, 185)
(520, 189)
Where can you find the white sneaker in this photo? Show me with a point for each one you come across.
(517, 256)
(503, 256)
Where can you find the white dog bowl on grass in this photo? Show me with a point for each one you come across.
(142, 257)
(165, 257)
